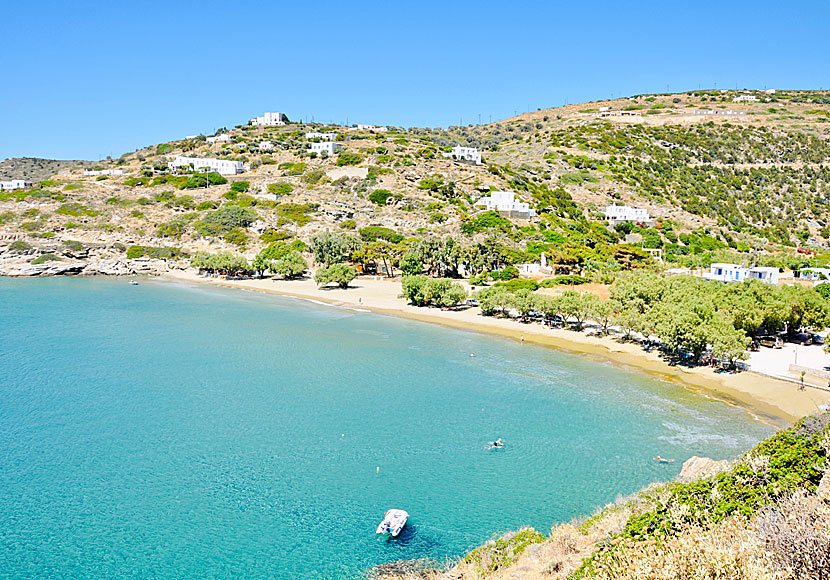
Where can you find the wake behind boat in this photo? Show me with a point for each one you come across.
(393, 522)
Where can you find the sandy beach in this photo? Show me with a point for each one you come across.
(770, 399)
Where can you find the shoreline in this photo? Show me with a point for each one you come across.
(769, 399)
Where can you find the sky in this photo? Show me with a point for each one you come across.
(87, 79)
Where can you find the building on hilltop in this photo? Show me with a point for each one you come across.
(615, 214)
(15, 184)
(325, 148)
(270, 120)
(91, 172)
(371, 128)
(223, 138)
(745, 99)
(221, 166)
(726, 273)
(506, 204)
(321, 136)
(468, 154)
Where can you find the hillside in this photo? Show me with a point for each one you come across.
(718, 176)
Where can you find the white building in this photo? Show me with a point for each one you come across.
(221, 166)
(266, 146)
(615, 214)
(270, 120)
(764, 274)
(371, 128)
(768, 91)
(223, 138)
(14, 184)
(506, 204)
(720, 272)
(321, 136)
(814, 274)
(90, 172)
(325, 148)
(726, 273)
(745, 99)
(470, 154)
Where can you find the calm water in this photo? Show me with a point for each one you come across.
(164, 431)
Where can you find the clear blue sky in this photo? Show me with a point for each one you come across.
(88, 79)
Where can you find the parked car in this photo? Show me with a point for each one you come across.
(817, 338)
(770, 341)
(802, 338)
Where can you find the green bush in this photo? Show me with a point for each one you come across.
(486, 221)
(296, 212)
(73, 245)
(348, 224)
(340, 274)
(271, 235)
(156, 252)
(373, 233)
(236, 236)
(518, 284)
(240, 186)
(349, 158)
(570, 280)
(46, 258)
(76, 210)
(20, 246)
(224, 219)
(280, 188)
(423, 291)
(380, 196)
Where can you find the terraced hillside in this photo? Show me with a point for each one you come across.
(719, 176)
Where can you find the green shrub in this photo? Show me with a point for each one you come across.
(73, 245)
(20, 246)
(236, 236)
(270, 235)
(280, 188)
(76, 210)
(240, 186)
(348, 224)
(224, 219)
(570, 280)
(43, 258)
(486, 221)
(340, 274)
(504, 551)
(156, 252)
(423, 291)
(518, 284)
(349, 158)
(296, 212)
(314, 177)
(372, 233)
(382, 196)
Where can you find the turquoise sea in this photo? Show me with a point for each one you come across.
(169, 431)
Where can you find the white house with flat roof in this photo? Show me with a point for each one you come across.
(469, 154)
(221, 166)
(768, 275)
(720, 272)
(745, 99)
(14, 184)
(223, 138)
(506, 204)
(325, 148)
(90, 172)
(615, 214)
(327, 136)
(726, 273)
(371, 128)
(269, 120)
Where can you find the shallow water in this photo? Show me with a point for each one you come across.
(163, 430)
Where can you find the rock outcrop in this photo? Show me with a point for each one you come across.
(698, 467)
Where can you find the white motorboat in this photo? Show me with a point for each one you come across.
(133, 283)
(393, 522)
